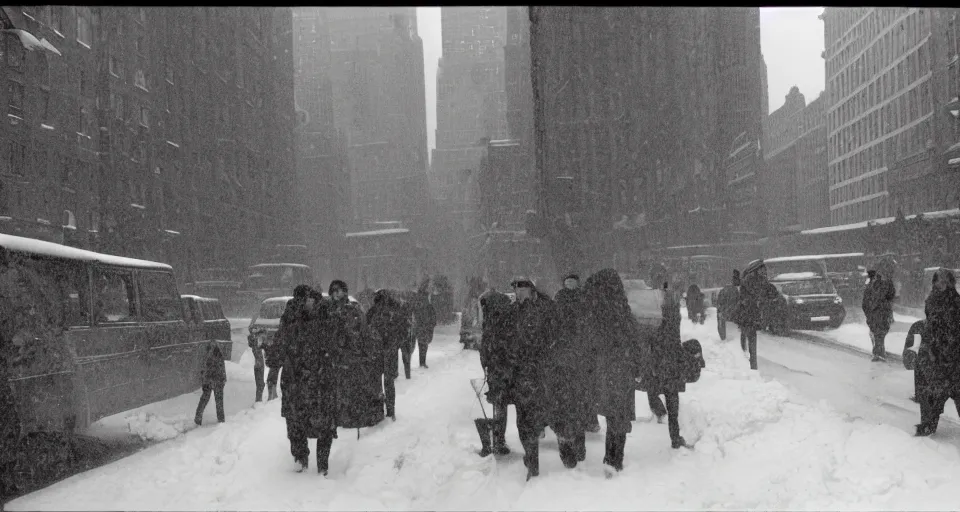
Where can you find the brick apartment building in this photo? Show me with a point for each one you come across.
(161, 133)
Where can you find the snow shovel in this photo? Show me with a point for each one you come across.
(485, 424)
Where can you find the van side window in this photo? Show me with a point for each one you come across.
(159, 298)
(70, 280)
(114, 300)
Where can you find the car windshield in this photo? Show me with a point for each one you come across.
(775, 268)
(806, 287)
(272, 310)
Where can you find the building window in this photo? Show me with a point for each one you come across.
(168, 73)
(114, 65)
(138, 45)
(140, 80)
(15, 94)
(142, 15)
(15, 51)
(144, 117)
(17, 156)
(56, 19)
(83, 26)
(44, 105)
(116, 104)
(82, 84)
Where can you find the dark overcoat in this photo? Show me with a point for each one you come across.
(878, 304)
(308, 380)
(570, 374)
(940, 350)
(663, 372)
(497, 347)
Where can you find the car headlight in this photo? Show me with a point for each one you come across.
(798, 301)
(837, 300)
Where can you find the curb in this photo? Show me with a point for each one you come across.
(813, 338)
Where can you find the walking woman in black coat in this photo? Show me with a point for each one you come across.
(616, 337)
(938, 360)
(663, 373)
(388, 328)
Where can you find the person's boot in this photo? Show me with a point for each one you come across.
(271, 393)
(198, 419)
(500, 441)
(679, 442)
(483, 428)
(406, 370)
(568, 453)
(302, 464)
(581, 447)
(924, 430)
(323, 454)
(531, 459)
(391, 413)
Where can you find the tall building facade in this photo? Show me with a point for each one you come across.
(781, 145)
(323, 181)
(813, 202)
(471, 99)
(886, 112)
(764, 88)
(644, 116)
(161, 133)
(379, 103)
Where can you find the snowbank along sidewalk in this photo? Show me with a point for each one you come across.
(757, 447)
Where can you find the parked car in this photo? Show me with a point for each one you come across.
(206, 321)
(266, 321)
(809, 300)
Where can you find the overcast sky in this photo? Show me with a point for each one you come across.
(791, 39)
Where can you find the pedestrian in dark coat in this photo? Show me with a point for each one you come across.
(570, 375)
(727, 301)
(424, 322)
(497, 357)
(273, 353)
(615, 335)
(310, 362)
(916, 328)
(939, 357)
(878, 308)
(388, 327)
(213, 376)
(755, 294)
(535, 331)
(663, 371)
(695, 304)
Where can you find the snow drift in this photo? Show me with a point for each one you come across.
(758, 446)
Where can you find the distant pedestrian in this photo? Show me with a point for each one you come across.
(727, 301)
(213, 376)
(695, 304)
(878, 308)
(756, 293)
(388, 327)
(424, 322)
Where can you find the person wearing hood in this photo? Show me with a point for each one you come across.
(571, 370)
(938, 359)
(756, 292)
(535, 331)
(878, 308)
(388, 327)
(497, 357)
(695, 304)
(621, 347)
(213, 376)
(727, 301)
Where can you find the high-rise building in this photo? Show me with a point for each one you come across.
(764, 88)
(813, 204)
(379, 103)
(882, 114)
(649, 117)
(322, 167)
(781, 146)
(157, 133)
(471, 107)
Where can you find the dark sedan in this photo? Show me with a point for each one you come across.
(809, 301)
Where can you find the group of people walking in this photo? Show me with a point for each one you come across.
(563, 361)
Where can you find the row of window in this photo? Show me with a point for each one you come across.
(870, 209)
(884, 153)
(866, 32)
(882, 87)
(901, 111)
(837, 25)
(867, 186)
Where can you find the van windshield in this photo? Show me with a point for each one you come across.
(843, 264)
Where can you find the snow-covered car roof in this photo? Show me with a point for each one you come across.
(796, 276)
(52, 250)
(277, 299)
(273, 265)
(810, 257)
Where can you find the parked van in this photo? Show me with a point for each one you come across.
(92, 334)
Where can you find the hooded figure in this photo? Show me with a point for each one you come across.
(620, 345)
(571, 372)
(878, 308)
(388, 328)
(213, 376)
(497, 356)
(273, 353)
(727, 301)
(309, 381)
(695, 308)
(939, 357)
(535, 321)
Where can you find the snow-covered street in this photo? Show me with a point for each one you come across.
(761, 443)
